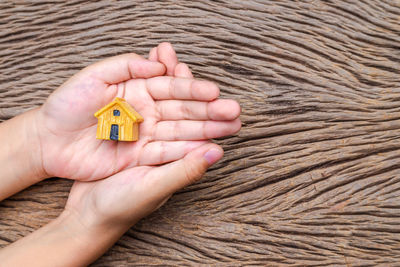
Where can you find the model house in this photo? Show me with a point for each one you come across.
(118, 121)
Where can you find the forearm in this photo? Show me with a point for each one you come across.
(20, 155)
(66, 241)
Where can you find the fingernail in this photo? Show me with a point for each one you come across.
(212, 156)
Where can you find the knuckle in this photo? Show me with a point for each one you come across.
(171, 88)
(163, 152)
(193, 172)
(176, 130)
(185, 111)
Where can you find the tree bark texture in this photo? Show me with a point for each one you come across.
(313, 177)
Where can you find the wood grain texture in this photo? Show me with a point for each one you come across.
(312, 179)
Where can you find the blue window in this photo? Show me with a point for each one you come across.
(116, 112)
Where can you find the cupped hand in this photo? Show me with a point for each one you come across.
(114, 204)
(118, 202)
(180, 114)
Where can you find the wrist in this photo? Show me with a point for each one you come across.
(88, 228)
(65, 241)
(85, 233)
(32, 142)
(94, 227)
(21, 155)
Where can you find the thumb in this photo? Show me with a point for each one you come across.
(171, 177)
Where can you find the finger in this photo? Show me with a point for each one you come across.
(153, 54)
(166, 55)
(164, 87)
(220, 109)
(182, 70)
(124, 67)
(167, 179)
(194, 130)
(160, 152)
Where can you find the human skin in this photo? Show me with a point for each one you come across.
(57, 138)
(117, 183)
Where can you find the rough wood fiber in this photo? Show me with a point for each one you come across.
(314, 176)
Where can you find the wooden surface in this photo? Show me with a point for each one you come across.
(313, 178)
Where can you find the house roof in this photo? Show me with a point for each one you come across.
(125, 106)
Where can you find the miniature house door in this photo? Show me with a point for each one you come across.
(114, 132)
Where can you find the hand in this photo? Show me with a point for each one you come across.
(179, 115)
(109, 207)
(129, 195)
(99, 212)
(116, 203)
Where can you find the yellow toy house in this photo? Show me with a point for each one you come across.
(118, 121)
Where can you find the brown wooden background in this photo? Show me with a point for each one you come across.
(313, 178)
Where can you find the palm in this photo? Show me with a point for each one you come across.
(71, 131)
(170, 129)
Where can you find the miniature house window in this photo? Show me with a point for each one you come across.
(116, 112)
